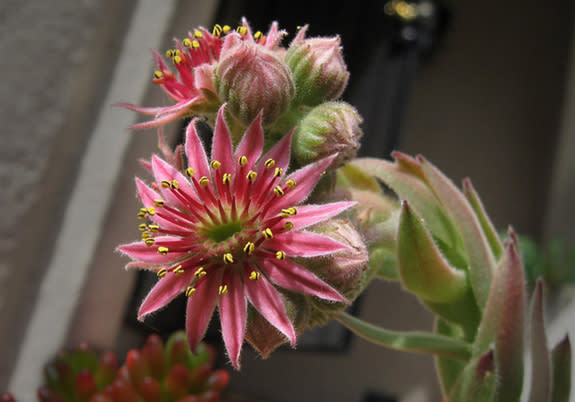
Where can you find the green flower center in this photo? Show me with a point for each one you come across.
(224, 231)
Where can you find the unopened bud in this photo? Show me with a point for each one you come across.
(251, 78)
(330, 128)
(320, 74)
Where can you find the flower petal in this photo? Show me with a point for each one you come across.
(267, 300)
(310, 214)
(167, 221)
(222, 144)
(164, 291)
(233, 312)
(201, 307)
(289, 275)
(164, 171)
(304, 244)
(280, 153)
(195, 151)
(140, 251)
(252, 142)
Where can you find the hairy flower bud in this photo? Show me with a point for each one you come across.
(251, 78)
(319, 71)
(330, 128)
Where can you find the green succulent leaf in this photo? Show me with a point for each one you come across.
(540, 390)
(448, 370)
(477, 382)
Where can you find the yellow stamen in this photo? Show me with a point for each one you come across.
(158, 74)
(254, 275)
(228, 258)
(269, 163)
(141, 215)
(243, 160)
(204, 181)
(288, 226)
(153, 228)
(217, 31)
(187, 42)
(215, 164)
(226, 29)
(162, 272)
(146, 235)
(163, 250)
(287, 212)
(159, 203)
(165, 183)
(281, 255)
(170, 53)
(257, 35)
(190, 172)
(199, 271)
(223, 290)
(227, 178)
(279, 191)
(290, 183)
(149, 241)
(251, 176)
(142, 227)
(190, 290)
(198, 34)
(242, 30)
(268, 234)
(174, 184)
(177, 59)
(278, 172)
(178, 270)
(195, 44)
(151, 211)
(249, 248)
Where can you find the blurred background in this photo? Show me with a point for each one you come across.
(484, 90)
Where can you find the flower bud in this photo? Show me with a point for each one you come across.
(330, 128)
(345, 270)
(320, 74)
(251, 78)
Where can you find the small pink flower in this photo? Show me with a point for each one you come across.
(191, 87)
(225, 233)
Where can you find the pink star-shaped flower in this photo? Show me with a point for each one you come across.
(225, 233)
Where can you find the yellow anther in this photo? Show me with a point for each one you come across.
(163, 250)
(228, 258)
(177, 59)
(174, 184)
(290, 183)
(278, 191)
(165, 183)
(159, 203)
(227, 178)
(187, 42)
(142, 227)
(242, 30)
(226, 29)
(280, 255)
(270, 163)
(278, 172)
(268, 234)
(151, 211)
(158, 74)
(249, 248)
(199, 271)
(190, 172)
(179, 270)
(141, 215)
(146, 235)
(195, 44)
(190, 290)
(170, 53)
(223, 290)
(143, 210)
(257, 35)
(254, 275)
(251, 176)
(287, 212)
(162, 272)
(288, 226)
(198, 34)
(153, 228)
(215, 164)
(243, 160)
(217, 31)
(204, 181)
(149, 241)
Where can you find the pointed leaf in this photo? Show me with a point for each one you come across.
(477, 381)
(448, 370)
(422, 268)
(540, 390)
(353, 176)
(561, 359)
(233, 313)
(411, 341)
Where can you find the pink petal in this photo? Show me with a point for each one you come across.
(304, 244)
(267, 300)
(305, 178)
(252, 142)
(140, 251)
(144, 110)
(233, 311)
(200, 308)
(158, 121)
(164, 171)
(164, 291)
(289, 275)
(280, 153)
(222, 144)
(195, 151)
(310, 214)
(148, 196)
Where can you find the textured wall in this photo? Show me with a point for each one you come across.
(55, 57)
